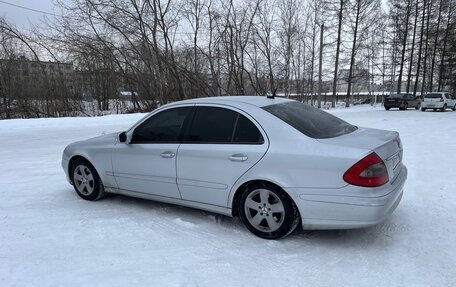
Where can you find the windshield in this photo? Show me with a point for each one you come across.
(311, 121)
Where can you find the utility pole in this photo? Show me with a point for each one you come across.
(320, 65)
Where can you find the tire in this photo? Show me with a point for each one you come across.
(423, 109)
(444, 108)
(418, 106)
(405, 107)
(387, 108)
(435, 110)
(86, 181)
(267, 211)
(454, 108)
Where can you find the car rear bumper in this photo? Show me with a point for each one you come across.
(432, 105)
(342, 212)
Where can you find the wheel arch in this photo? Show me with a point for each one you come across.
(237, 194)
(75, 158)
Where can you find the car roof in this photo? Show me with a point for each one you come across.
(258, 101)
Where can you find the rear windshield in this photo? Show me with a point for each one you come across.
(397, 96)
(310, 121)
(433, 96)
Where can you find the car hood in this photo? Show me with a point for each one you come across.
(103, 137)
(95, 141)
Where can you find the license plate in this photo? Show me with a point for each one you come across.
(396, 160)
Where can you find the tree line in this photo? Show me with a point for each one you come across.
(167, 50)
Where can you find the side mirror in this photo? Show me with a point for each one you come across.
(123, 137)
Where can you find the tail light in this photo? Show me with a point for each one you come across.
(369, 172)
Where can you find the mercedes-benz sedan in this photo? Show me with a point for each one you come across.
(275, 163)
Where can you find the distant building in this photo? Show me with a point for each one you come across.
(31, 68)
(361, 79)
(31, 75)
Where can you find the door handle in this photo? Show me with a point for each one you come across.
(168, 154)
(238, 157)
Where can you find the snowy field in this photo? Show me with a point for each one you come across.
(51, 237)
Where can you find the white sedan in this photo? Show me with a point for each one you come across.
(275, 163)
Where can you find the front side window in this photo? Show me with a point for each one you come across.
(309, 120)
(166, 126)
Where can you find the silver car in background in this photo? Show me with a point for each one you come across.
(275, 163)
(438, 101)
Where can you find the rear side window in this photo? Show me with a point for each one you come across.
(224, 126)
(166, 126)
(310, 121)
(246, 132)
(212, 125)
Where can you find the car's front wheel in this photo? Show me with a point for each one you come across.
(267, 211)
(454, 108)
(423, 109)
(86, 180)
(444, 108)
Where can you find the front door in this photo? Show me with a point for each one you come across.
(147, 164)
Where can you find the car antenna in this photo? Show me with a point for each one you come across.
(269, 96)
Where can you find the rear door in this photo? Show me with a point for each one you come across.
(147, 164)
(220, 145)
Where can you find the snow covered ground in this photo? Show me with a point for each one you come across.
(51, 237)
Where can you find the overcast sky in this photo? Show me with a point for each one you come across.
(22, 17)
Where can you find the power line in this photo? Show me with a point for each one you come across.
(29, 9)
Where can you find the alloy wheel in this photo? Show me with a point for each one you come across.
(83, 180)
(264, 210)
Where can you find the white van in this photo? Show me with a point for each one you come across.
(438, 101)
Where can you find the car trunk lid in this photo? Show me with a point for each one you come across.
(432, 98)
(385, 144)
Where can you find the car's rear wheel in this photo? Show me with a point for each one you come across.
(454, 108)
(387, 108)
(418, 106)
(444, 108)
(267, 211)
(423, 109)
(86, 181)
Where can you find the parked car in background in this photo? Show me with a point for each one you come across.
(438, 101)
(362, 102)
(275, 163)
(402, 101)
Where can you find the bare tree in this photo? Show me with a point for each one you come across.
(404, 44)
(361, 10)
(340, 13)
